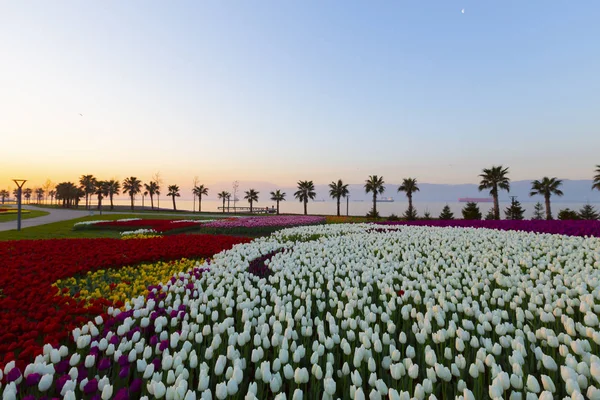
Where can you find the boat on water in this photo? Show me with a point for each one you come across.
(385, 200)
(475, 200)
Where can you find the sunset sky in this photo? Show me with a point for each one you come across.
(279, 91)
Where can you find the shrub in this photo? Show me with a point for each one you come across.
(471, 211)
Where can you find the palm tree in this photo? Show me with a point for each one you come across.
(337, 190)
(131, 186)
(223, 195)
(409, 186)
(152, 189)
(4, 195)
(113, 188)
(251, 196)
(306, 191)
(52, 195)
(546, 187)
(101, 192)
(88, 184)
(173, 192)
(200, 191)
(596, 183)
(27, 193)
(68, 193)
(39, 193)
(493, 179)
(375, 184)
(277, 196)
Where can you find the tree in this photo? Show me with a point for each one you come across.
(546, 187)
(446, 214)
(490, 216)
(152, 189)
(173, 192)
(200, 191)
(131, 186)
(39, 194)
(495, 178)
(52, 194)
(113, 188)
(409, 186)
(306, 191)
(4, 194)
(88, 184)
(68, 193)
(427, 215)
(337, 190)
(471, 211)
(538, 211)
(27, 194)
(567, 214)
(277, 196)
(514, 211)
(589, 213)
(596, 182)
(156, 178)
(47, 186)
(375, 185)
(251, 196)
(101, 192)
(194, 184)
(224, 196)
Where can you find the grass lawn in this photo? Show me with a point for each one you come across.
(25, 215)
(64, 229)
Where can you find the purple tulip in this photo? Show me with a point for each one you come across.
(260, 222)
(91, 387)
(122, 394)
(61, 382)
(62, 367)
(33, 379)
(136, 385)
(124, 372)
(13, 375)
(104, 364)
(29, 397)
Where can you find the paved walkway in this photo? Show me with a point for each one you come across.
(63, 214)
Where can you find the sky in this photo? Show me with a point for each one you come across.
(281, 91)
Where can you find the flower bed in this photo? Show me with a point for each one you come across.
(262, 222)
(135, 224)
(393, 312)
(571, 228)
(31, 314)
(6, 211)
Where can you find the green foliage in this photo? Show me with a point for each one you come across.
(514, 211)
(373, 214)
(567, 214)
(410, 214)
(588, 212)
(427, 215)
(446, 213)
(393, 217)
(490, 215)
(471, 211)
(538, 211)
(494, 178)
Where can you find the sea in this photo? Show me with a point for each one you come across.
(355, 208)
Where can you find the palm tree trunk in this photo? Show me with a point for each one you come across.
(277, 207)
(250, 206)
(338, 206)
(374, 203)
(223, 204)
(409, 202)
(200, 203)
(305, 203)
(496, 207)
(131, 196)
(174, 206)
(152, 201)
(111, 202)
(548, 210)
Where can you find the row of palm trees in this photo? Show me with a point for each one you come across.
(493, 179)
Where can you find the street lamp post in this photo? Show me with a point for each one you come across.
(347, 202)
(19, 183)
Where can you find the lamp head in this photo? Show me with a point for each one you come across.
(19, 182)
